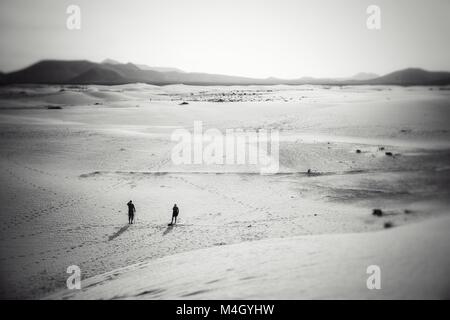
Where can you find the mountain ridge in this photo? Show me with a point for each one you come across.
(111, 72)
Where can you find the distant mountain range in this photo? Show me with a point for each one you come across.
(144, 67)
(363, 76)
(111, 72)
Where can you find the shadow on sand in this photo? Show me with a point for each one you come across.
(169, 228)
(119, 232)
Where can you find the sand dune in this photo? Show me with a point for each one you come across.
(413, 261)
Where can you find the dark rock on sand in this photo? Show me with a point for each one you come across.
(388, 225)
(377, 212)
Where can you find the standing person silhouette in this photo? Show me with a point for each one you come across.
(131, 211)
(175, 212)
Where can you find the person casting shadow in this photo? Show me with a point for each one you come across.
(175, 212)
(131, 211)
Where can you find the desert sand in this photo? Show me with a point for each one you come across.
(72, 157)
(413, 262)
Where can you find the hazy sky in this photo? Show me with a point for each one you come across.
(282, 38)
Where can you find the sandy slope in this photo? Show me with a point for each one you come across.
(414, 264)
(67, 174)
